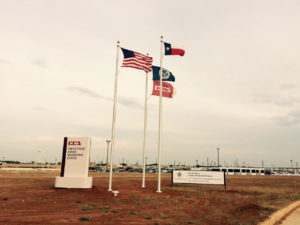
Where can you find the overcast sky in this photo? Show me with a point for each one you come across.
(237, 87)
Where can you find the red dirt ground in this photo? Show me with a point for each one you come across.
(30, 198)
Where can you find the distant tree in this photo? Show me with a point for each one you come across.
(11, 162)
(153, 164)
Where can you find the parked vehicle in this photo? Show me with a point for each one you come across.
(240, 171)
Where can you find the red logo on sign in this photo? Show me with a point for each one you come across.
(74, 143)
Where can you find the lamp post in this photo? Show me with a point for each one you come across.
(107, 141)
(218, 150)
(39, 156)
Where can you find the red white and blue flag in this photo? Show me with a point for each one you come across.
(167, 89)
(173, 50)
(137, 60)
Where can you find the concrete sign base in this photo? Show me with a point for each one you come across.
(73, 182)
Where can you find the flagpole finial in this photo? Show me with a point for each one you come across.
(118, 42)
(147, 54)
(161, 37)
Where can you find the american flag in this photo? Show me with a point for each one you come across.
(137, 60)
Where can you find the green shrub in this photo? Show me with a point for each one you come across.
(86, 207)
(85, 218)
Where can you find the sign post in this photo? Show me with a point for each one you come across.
(75, 164)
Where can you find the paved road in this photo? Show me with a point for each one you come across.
(293, 218)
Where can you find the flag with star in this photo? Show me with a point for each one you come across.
(136, 60)
(173, 50)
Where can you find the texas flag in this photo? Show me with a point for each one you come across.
(173, 50)
(167, 89)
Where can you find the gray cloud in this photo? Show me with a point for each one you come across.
(277, 100)
(292, 118)
(40, 62)
(40, 109)
(129, 102)
(288, 86)
(4, 61)
(88, 92)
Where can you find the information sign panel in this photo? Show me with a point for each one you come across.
(75, 163)
(198, 177)
(77, 157)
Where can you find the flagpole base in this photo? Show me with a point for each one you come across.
(109, 189)
(158, 191)
(143, 187)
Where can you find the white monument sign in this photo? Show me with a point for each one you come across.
(75, 164)
(198, 177)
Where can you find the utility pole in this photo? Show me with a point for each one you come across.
(291, 163)
(218, 150)
(107, 141)
(262, 163)
(39, 156)
(196, 163)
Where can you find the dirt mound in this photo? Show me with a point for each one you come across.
(249, 208)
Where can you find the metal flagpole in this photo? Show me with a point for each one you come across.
(160, 117)
(114, 120)
(145, 131)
